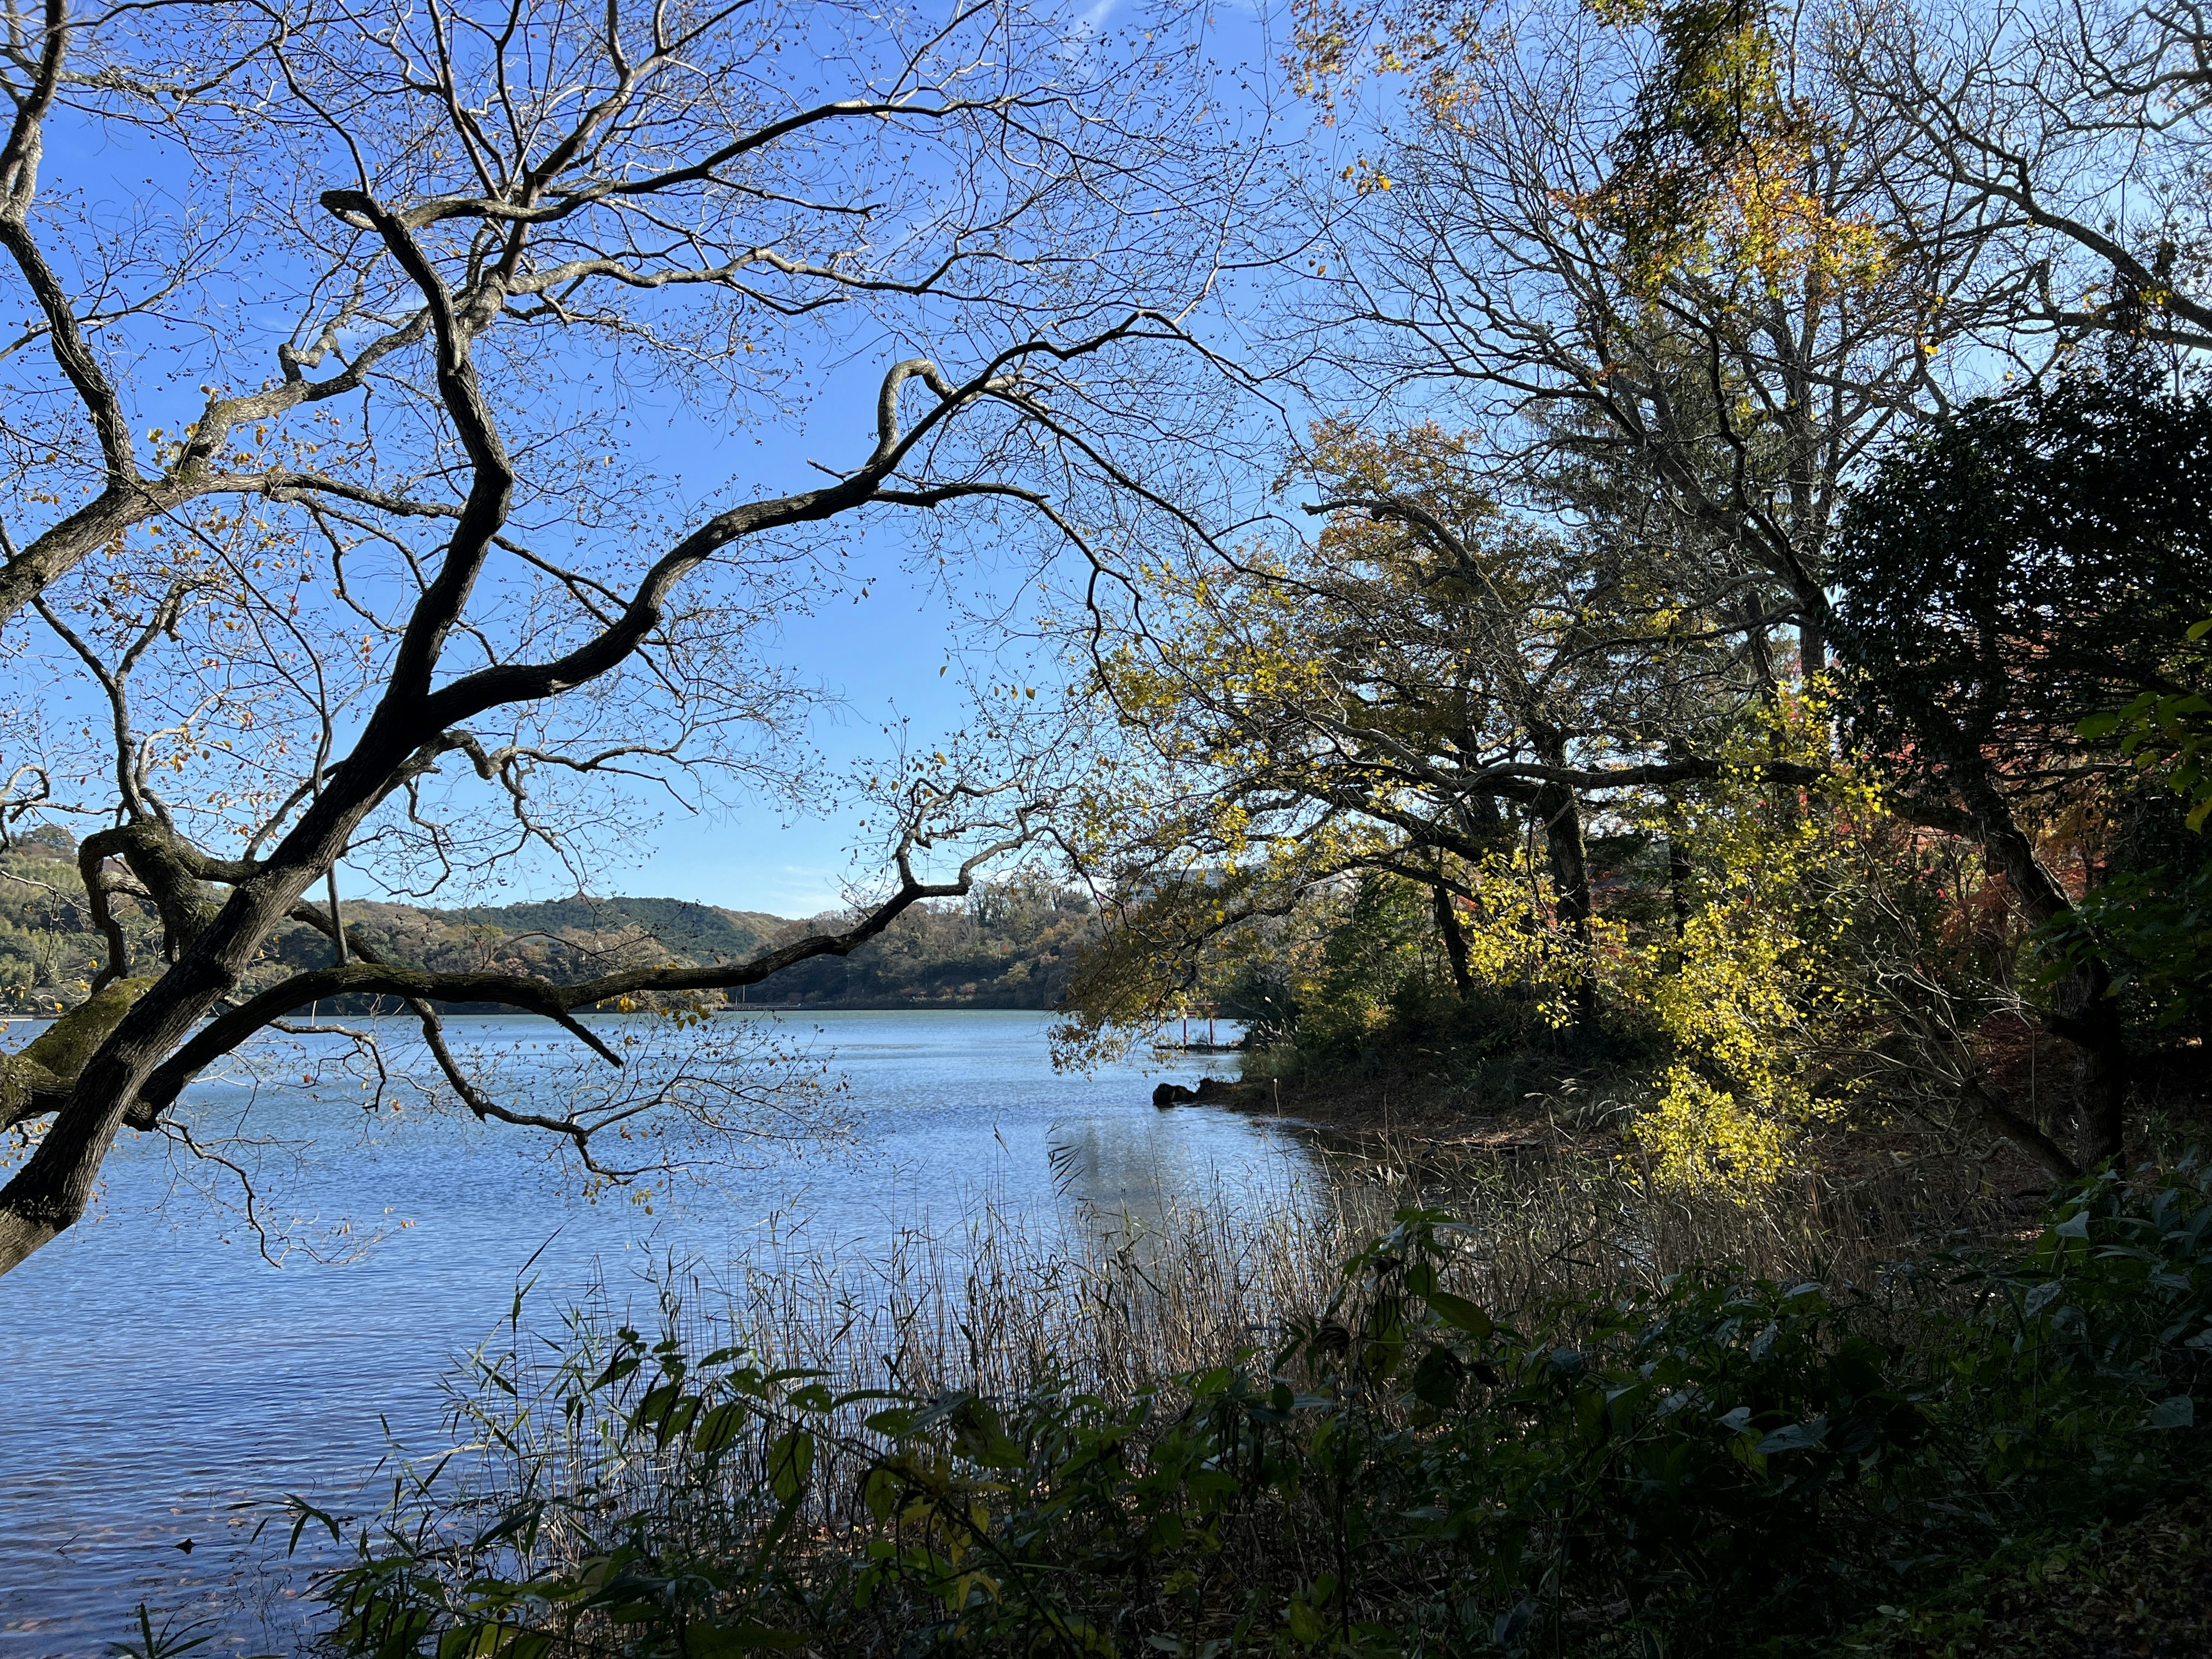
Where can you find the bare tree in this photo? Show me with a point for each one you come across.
(1677, 263)
(2077, 131)
(379, 606)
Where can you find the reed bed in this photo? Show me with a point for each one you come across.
(1112, 1302)
(569, 1459)
(1108, 1302)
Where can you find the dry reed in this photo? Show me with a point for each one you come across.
(1110, 1303)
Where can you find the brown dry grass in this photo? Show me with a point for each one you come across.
(1111, 1303)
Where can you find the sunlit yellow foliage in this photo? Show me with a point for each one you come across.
(1711, 175)
(1712, 172)
(1513, 942)
(1701, 1137)
(1757, 993)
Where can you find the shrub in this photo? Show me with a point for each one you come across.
(1718, 1463)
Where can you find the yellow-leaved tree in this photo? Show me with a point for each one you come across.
(1445, 767)
(1760, 991)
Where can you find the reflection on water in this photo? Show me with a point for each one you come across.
(1124, 1165)
(165, 1385)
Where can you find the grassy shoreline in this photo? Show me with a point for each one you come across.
(1542, 1426)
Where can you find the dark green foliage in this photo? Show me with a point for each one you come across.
(2142, 1588)
(2149, 917)
(1262, 996)
(722, 1432)
(1380, 1003)
(1718, 1466)
(163, 1643)
(2020, 567)
(2035, 558)
(2167, 731)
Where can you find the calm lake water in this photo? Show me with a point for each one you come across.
(165, 1384)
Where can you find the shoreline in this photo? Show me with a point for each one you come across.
(1392, 1115)
(1395, 1123)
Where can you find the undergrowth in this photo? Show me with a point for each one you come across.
(1711, 1462)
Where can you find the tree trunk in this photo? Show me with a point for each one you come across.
(2001, 1119)
(1812, 647)
(1455, 940)
(1679, 875)
(1560, 811)
(35, 1079)
(1561, 814)
(53, 1186)
(50, 1192)
(2085, 1015)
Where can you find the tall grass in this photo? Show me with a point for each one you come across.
(1114, 1301)
(560, 1453)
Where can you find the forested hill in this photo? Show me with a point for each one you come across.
(1008, 945)
(697, 932)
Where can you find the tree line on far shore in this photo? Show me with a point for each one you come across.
(1010, 944)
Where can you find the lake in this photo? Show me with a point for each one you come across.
(165, 1385)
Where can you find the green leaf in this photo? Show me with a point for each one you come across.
(790, 1462)
(677, 1419)
(718, 1429)
(655, 1404)
(1436, 1378)
(1797, 1436)
(880, 1493)
(617, 1368)
(1460, 1314)
(2177, 1412)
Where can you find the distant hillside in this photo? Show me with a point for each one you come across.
(565, 939)
(1010, 945)
(701, 932)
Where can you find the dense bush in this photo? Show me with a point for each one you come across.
(1718, 1465)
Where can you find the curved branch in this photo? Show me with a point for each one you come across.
(2002, 1120)
(234, 1025)
(19, 179)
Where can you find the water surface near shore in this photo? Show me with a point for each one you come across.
(165, 1385)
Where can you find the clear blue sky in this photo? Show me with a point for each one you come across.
(875, 650)
(877, 656)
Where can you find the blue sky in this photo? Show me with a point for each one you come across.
(877, 656)
(875, 649)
